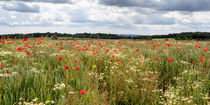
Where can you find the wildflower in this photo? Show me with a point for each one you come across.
(170, 60)
(28, 53)
(82, 92)
(20, 49)
(112, 56)
(77, 68)
(202, 59)
(7, 71)
(75, 61)
(61, 48)
(158, 58)
(94, 67)
(60, 58)
(205, 50)
(150, 76)
(35, 99)
(66, 67)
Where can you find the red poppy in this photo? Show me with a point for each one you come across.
(170, 60)
(82, 92)
(28, 53)
(66, 67)
(150, 76)
(112, 56)
(202, 59)
(7, 71)
(205, 50)
(20, 49)
(61, 48)
(118, 63)
(75, 61)
(158, 58)
(77, 68)
(60, 58)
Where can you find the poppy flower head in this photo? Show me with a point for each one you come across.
(82, 92)
(66, 67)
(170, 60)
(7, 71)
(28, 53)
(112, 56)
(205, 50)
(158, 58)
(60, 58)
(150, 76)
(77, 68)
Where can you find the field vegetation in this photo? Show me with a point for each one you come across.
(104, 72)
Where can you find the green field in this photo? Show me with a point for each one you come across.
(104, 72)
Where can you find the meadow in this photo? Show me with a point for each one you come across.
(104, 72)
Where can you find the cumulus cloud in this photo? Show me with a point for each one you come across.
(21, 7)
(111, 16)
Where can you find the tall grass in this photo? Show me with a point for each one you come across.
(109, 72)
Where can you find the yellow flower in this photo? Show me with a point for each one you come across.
(94, 67)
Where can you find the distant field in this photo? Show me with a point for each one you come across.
(104, 72)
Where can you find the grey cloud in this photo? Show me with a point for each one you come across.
(185, 5)
(128, 3)
(21, 7)
(49, 1)
(163, 5)
(154, 19)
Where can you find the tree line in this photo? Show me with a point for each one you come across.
(177, 36)
(186, 36)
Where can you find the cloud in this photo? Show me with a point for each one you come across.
(111, 16)
(162, 5)
(128, 3)
(79, 16)
(185, 5)
(49, 1)
(21, 7)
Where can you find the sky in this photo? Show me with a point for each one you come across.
(147, 17)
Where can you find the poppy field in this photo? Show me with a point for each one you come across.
(104, 72)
